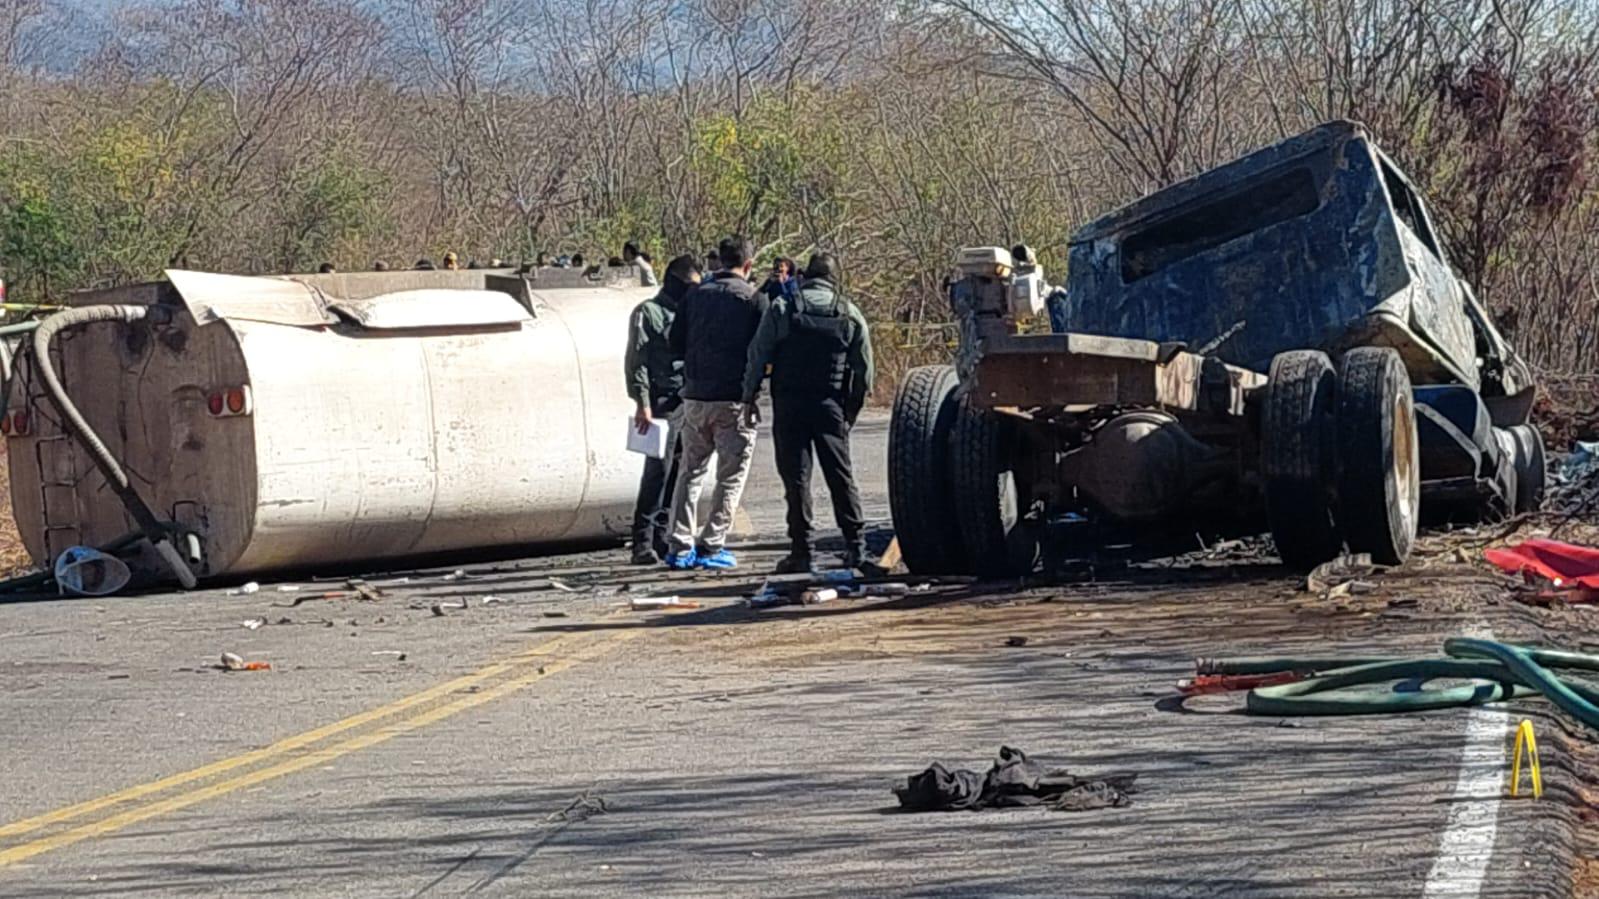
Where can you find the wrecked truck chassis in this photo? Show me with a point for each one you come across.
(1342, 371)
(1055, 428)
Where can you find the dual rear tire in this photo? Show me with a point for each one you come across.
(1340, 456)
(955, 496)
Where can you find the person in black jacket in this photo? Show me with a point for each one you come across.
(713, 328)
(820, 351)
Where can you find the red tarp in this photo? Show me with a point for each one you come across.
(1564, 564)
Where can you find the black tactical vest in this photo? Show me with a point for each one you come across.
(813, 360)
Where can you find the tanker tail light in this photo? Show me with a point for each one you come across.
(230, 402)
(16, 424)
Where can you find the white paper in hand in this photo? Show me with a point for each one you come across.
(652, 442)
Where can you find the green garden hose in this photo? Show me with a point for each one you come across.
(1497, 671)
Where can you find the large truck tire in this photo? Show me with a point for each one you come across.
(919, 497)
(1379, 470)
(1503, 501)
(1296, 457)
(989, 504)
(1532, 468)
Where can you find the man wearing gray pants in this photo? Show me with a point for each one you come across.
(714, 326)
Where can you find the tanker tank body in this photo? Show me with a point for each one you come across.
(289, 428)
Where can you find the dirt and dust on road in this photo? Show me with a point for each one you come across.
(713, 719)
(433, 734)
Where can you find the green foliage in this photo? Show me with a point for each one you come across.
(36, 246)
(776, 174)
(329, 206)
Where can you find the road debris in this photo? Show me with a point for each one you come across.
(1339, 574)
(234, 662)
(1565, 566)
(359, 589)
(784, 591)
(84, 571)
(655, 603)
(398, 655)
(1015, 641)
(439, 607)
(564, 587)
(1014, 781)
(493, 600)
(813, 597)
(364, 590)
(251, 624)
(862, 591)
(887, 562)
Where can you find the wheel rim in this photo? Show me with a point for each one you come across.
(1406, 482)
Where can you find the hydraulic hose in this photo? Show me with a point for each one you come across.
(1497, 671)
(153, 528)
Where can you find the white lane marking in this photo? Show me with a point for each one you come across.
(1468, 841)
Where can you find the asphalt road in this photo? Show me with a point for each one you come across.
(551, 742)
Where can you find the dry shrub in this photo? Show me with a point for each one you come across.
(1567, 410)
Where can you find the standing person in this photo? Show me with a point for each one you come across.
(631, 255)
(781, 283)
(820, 351)
(654, 380)
(712, 331)
(452, 261)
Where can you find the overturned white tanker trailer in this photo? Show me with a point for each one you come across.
(214, 425)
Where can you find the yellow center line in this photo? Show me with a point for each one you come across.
(318, 757)
(285, 746)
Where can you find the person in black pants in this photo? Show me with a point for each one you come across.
(820, 351)
(654, 378)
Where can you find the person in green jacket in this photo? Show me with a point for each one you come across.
(820, 351)
(654, 378)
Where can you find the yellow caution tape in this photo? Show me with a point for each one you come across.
(1524, 737)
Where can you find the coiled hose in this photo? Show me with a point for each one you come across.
(1498, 671)
(159, 533)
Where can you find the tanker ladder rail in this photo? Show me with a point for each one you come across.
(164, 536)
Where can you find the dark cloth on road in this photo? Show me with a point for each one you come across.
(1013, 781)
(806, 429)
(712, 331)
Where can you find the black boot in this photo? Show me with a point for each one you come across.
(858, 558)
(798, 561)
(643, 553)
